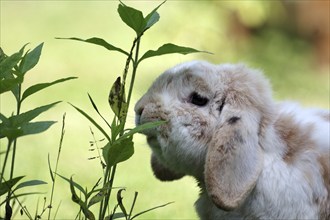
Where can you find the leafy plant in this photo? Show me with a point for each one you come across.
(13, 70)
(120, 145)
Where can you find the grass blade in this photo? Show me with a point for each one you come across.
(50, 169)
(96, 109)
(76, 185)
(92, 121)
(148, 210)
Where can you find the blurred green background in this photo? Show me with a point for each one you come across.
(288, 40)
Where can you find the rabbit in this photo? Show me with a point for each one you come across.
(253, 158)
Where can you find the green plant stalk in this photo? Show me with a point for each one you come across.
(24, 209)
(15, 140)
(56, 166)
(106, 176)
(135, 66)
(6, 158)
(106, 202)
(136, 45)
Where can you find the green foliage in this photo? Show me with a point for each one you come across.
(5, 186)
(120, 145)
(99, 42)
(168, 49)
(21, 125)
(13, 70)
(38, 87)
(117, 99)
(119, 151)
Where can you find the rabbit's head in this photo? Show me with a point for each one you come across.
(216, 116)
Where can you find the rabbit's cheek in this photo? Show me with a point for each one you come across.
(190, 124)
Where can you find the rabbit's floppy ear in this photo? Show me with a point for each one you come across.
(163, 173)
(234, 158)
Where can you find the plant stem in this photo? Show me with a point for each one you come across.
(135, 66)
(56, 165)
(104, 206)
(15, 140)
(106, 179)
(136, 45)
(5, 161)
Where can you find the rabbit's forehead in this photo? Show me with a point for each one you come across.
(187, 80)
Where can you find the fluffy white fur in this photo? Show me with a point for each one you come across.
(253, 158)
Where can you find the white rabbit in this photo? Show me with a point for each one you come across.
(252, 158)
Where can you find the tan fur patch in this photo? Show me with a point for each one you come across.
(324, 161)
(296, 138)
(192, 80)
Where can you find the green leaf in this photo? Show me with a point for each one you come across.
(8, 63)
(146, 126)
(101, 193)
(132, 17)
(29, 183)
(115, 216)
(115, 129)
(119, 151)
(36, 127)
(9, 132)
(25, 129)
(50, 170)
(97, 110)
(7, 79)
(120, 201)
(7, 185)
(21, 195)
(9, 84)
(117, 99)
(99, 42)
(2, 55)
(94, 188)
(151, 209)
(19, 120)
(153, 17)
(92, 121)
(96, 199)
(75, 198)
(3, 118)
(169, 49)
(76, 185)
(30, 59)
(36, 88)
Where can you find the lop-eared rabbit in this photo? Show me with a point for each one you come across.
(253, 158)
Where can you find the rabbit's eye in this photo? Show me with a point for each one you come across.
(198, 100)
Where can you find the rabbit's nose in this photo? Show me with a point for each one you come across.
(137, 120)
(139, 110)
(138, 113)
